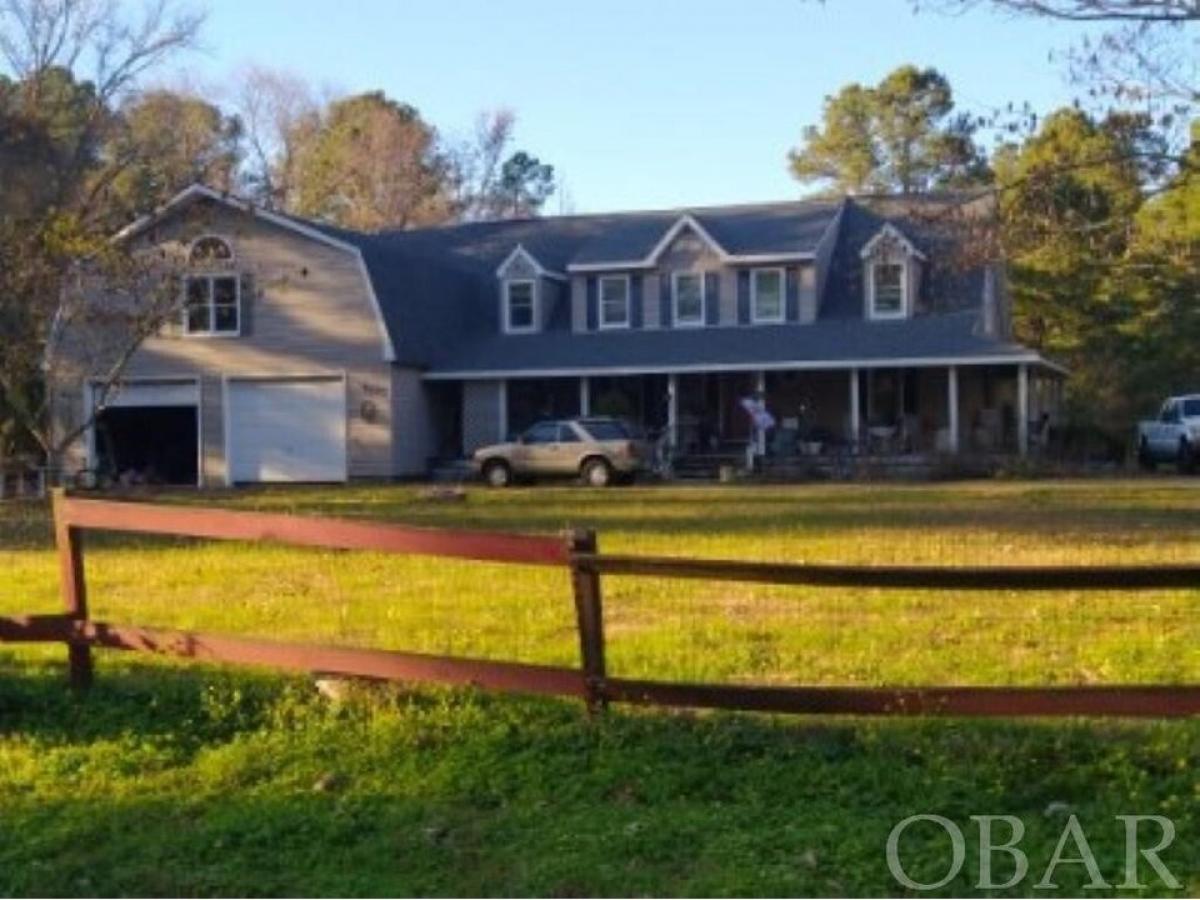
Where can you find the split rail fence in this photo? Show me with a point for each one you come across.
(577, 553)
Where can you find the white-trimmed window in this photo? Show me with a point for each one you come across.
(767, 295)
(888, 290)
(891, 267)
(212, 303)
(614, 301)
(520, 305)
(687, 297)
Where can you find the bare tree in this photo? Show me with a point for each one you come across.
(1147, 56)
(100, 49)
(274, 106)
(475, 163)
(489, 181)
(92, 39)
(103, 309)
(72, 61)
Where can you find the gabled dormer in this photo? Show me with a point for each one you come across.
(891, 274)
(528, 292)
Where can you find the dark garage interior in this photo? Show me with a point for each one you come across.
(148, 444)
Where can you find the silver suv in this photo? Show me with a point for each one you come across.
(598, 450)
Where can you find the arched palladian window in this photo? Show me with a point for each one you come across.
(212, 302)
(210, 250)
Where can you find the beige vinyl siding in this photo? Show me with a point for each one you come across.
(579, 303)
(414, 435)
(481, 410)
(807, 280)
(212, 432)
(729, 300)
(309, 313)
(689, 252)
(652, 301)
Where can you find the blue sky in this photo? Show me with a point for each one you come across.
(643, 104)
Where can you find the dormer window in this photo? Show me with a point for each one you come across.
(614, 301)
(687, 291)
(212, 292)
(889, 259)
(887, 290)
(766, 295)
(520, 297)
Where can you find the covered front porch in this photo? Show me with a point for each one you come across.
(862, 411)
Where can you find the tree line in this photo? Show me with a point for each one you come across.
(1097, 204)
(367, 161)
(86, 146)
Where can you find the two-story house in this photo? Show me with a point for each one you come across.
(304, 352)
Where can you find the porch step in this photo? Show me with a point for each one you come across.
(706, 466)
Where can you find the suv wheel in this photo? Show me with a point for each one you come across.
(597, 473)
(497, 473)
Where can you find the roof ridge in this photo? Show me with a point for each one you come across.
(811, 202)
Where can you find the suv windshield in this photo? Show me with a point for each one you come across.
(1191, 407)
(605, 429)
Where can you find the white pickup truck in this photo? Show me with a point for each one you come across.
(1174, 436)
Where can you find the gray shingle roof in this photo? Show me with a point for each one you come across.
(828, 342)
(437, 290)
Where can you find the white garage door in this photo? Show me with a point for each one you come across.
(287, 430)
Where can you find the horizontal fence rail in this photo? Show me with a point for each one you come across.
(349, 661)
(577, 553)
(305, 531)
(933, 578)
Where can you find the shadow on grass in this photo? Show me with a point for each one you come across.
(166, 781)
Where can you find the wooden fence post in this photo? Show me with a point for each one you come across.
(589, 612)
(73, 587)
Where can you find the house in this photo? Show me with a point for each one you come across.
(303, 352)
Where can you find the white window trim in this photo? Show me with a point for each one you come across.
(237, 293)
(519, 253)
(683, 223)
(534, 295)
(755, 318)
(210, 236)
(689, 323)
(890, 231)
(601, 325)
(902, 312)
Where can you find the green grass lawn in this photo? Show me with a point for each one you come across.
(176, 779)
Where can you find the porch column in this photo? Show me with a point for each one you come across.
(870, 392)
(502, 410)
(760, 434)
(672, 411)
(585, 396)
(952, 407)
(1023, 409)
(854, 412)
